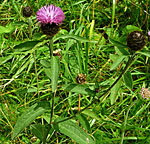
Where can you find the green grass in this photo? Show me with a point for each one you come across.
(92, 40)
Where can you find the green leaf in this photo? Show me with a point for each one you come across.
(130, 28)
(121, 47)
(127, 77)
(102, 137)
(83, 121)
(79, 88)
(75, 37)
(19, 23)
(29, 116)
(55, 65)
(52, 70)
(8, 29)
(39, 130)
(146, 53)
(26, 45)
(116, 63)
(114, 92)
(72, 130)
(91, 114)
(45, 63)
(117, 43)
(5, 59)
(47, 68)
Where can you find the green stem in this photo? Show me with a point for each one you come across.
(113, 13)
(52, 107)
(125, 123)
(51, 118)
(87, 57)
(51, 47)
(104, 95)
(53, 95)
(30, 27)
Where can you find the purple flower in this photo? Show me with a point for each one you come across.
(148, 33)
(50, 14)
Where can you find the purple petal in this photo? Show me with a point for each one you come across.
(50, 14)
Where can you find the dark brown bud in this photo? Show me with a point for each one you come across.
(50, 29)
(136, 40)
(27, 11)
(81, 78)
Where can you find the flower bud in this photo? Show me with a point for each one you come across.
(136, 40)
(81, 78)
(27, 11)
(49, 29)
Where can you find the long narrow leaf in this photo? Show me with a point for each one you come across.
(29, 116)
(78, 88)
(117, 62)
(84, 122)
(146, 53)
(79, 38)
(121, 47)
(72, 130)
(47, 68)
(25, 46)
(55, 72)
(114, 92)
(128, 80)
(39, 131)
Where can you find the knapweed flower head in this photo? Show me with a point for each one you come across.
(145, 92)
(50, 14)
(81, 79)
(50, 17)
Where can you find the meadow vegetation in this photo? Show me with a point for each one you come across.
(83, 85)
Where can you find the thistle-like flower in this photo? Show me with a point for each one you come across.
(50, 17)
(50, 14)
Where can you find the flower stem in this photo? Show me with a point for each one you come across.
(53, 96)
(104, 95)
(51, 118)
(52, 107)
(30, 27)
(51, 47)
